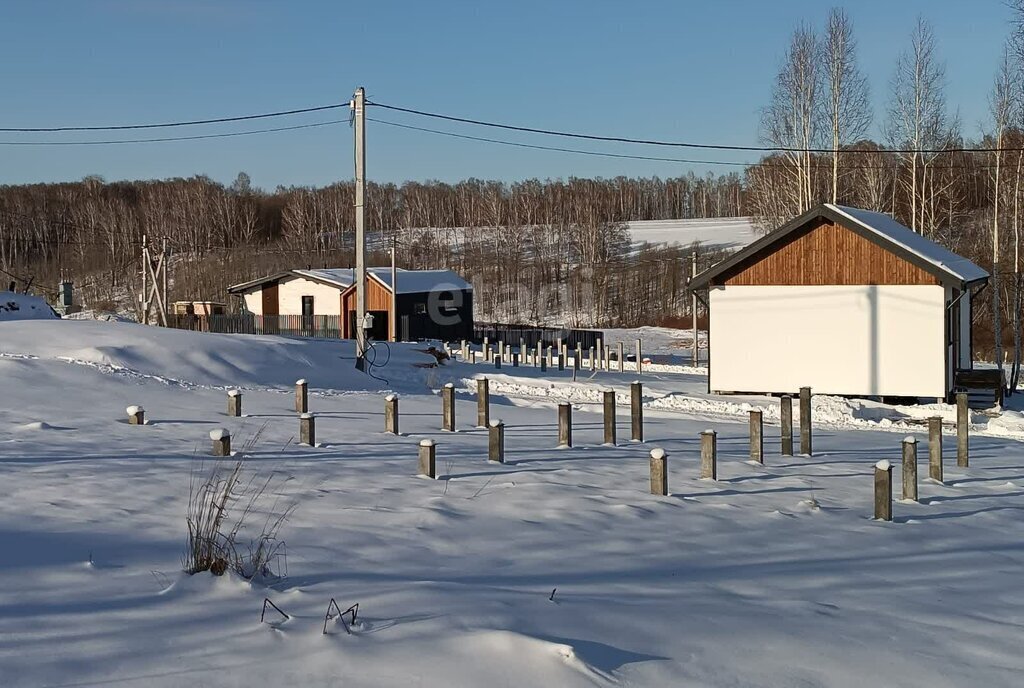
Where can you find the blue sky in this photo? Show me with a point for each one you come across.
(695, 71)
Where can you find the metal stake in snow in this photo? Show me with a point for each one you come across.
(709, 455)
(307, 429)
(805, 421)
(483, 402)
(301, 396)
(391, 414)
(448, 407)
(609, 416)
(786, 415)
(935, 448)
(221, 439)
(496, 441)
(564, 424)
(428, 459)
(636, 410)
(136, 415)
(883, 491)
(963, 420)
(756, 436)
(234, 403)
(659, 472)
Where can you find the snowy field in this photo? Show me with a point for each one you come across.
(714, 232)
(772, 575)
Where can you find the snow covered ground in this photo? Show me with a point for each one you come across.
(714, 232)
(773, 575)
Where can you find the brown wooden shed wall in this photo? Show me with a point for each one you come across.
(825, 253)
(377, 299)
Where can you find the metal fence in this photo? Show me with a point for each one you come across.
(531, 335)
(317, 326)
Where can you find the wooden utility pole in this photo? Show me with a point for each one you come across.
(394, 291)
(165, 254)
(359, 108)
(154, 282)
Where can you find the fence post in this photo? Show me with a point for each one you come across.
(428, 459)
(579, 356)
(609, 416)
(636, 410)
(621, 353)
(805, 421)
(607, 356)
(234, 403)
(551, 356)
(910, 468)
(639, 358)
(301, 396)
(538, 358)
(561, 361)
(221, 442)
(564, 424)
(709, 455)
(935, 448)
(543, 364)
(515, 359)
(465, 351)
(136, 415)
(522, 351)
(496, 441)
(659, 472)
(756, 436)
(600, 351)
(497, 362)
(963, 419)
(307, 429)
(883, 491)
(786, 416)
(486, 348)
(391, 414)
(448, 407)
(483, 402)
(592, 361)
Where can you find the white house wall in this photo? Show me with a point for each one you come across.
(856, 340)
(326, 299)
(254, 302)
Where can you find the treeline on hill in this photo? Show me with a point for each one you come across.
(551, 251)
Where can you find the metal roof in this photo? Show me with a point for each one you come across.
(409, 281)
(937, 260)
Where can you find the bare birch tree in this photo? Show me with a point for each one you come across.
(1001, 104)
(847, 102)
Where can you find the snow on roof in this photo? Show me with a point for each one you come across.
(15, 306)
(409, 281)
(342, 277)
(927, 249)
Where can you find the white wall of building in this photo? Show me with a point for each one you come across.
(326, 299)
(857, 340)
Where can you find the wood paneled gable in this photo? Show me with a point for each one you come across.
(824, 252)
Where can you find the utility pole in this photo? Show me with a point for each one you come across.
(394, 291)
(359, 108)
(154, 282)
(144, 299)
(165, 263)
(693, 304)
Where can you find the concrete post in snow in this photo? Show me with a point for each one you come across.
(639, 358)
(636, 410)
(883, 491)
(963, 420)
(538, 357)
(592, 361)
(497, 362)
(805, 421)
(496, 441)
(522, 351)
(307, 429)
(234, 403)
(391, 414)
(136, 415)
(564, 424)
(786, 415)
(483, 402)
(301, 396)
(448, 407)
(910, 468)
(621, 353)
(543, 364)
(600, 351)
(935, 448)
(578, 358)
(428, 459)
(659, 472)
(756, 436)
(609, 416)
(486, 348)
(709, 455)
(515, 359)
(561, 361)
(607, 357)
(221, 439)
(465, 351)
(551, 356)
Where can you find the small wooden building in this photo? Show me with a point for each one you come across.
(843, 300)
(431, 304)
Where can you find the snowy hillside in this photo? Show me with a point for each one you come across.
(715, 232)
(557, 568)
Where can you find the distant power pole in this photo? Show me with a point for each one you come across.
(693, 304)
(394, 291)
(359, 107)
(154, 282)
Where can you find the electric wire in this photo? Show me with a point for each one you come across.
(164, 139)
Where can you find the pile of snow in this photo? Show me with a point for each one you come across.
(14, 306)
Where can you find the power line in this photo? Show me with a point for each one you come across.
(680, 144)
(173, 138)
(189, 123)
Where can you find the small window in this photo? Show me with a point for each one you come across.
(420, 308)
